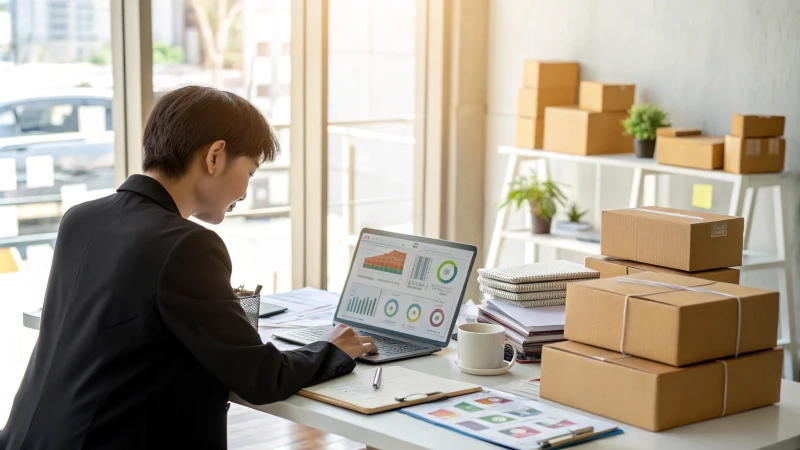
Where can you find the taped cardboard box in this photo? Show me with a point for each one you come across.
(757, 126)
(671, 319)
(604, 97)
(655, 396)
(550, 74)
(754, 155)
(615, 267)
(530, 132)
(698, 152)
(531, 102)
(683, 240)
(677, 132)
(580, 132)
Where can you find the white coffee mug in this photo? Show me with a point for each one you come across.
(481, 346)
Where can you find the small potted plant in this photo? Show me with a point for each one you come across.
(543, 197)
(642, 122)
(574, 224)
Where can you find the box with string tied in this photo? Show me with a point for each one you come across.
(671, 319)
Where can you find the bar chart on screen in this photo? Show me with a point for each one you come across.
(362, 300)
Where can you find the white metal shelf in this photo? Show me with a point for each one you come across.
(742, 203)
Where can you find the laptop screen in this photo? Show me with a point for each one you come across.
(406, 284)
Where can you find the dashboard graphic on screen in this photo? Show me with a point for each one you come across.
(405, 286)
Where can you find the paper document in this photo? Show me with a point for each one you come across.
(533, 318)
(507, 420)
(525, 388)
(306, 307)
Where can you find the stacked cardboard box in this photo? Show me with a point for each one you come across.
(755, 144)
(595, 126)
(687, 148)
(658, 349)
(544, 83)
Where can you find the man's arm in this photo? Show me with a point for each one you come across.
(198, 305)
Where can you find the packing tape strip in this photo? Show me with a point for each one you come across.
(675, 287)
(685, 216)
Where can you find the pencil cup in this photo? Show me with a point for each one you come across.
(251, 305)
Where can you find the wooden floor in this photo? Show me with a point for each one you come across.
(253, 430)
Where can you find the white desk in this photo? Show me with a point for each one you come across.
(774, 427)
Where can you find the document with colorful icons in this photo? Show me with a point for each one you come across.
(511, 421)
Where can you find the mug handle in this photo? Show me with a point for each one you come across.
(509, 364)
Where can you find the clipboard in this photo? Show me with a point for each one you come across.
(400, 387)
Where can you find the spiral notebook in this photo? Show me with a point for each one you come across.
(522, 296)
(524, 287)
(537, 272)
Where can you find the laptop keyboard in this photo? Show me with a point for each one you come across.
(386, 345)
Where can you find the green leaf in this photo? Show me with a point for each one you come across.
(643, 120)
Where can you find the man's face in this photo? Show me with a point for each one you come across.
(222, 185)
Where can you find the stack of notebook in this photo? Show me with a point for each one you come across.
(527, 328)
(532, 285)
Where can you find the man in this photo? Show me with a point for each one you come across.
(142, 337)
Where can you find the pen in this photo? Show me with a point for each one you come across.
(376, 382)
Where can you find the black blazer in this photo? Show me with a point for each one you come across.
(142, 337)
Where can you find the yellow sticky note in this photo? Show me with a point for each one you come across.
(702, 195)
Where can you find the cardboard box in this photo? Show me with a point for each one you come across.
(550, 74)
(614, 267)
(530, 132)
(677, 132)
(531, 102)
(670, 324)
(683, 240)
(754, 155)
(699, 152)
(603, 97)
(655, 396)
(580, 132)
(757, 126)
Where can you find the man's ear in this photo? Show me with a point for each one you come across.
(215, 157)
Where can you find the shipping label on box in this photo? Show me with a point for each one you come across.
(604, 97)
(614, 267)
(698, 152)
(655, 396)
(683, 240)
(754, 155)
(744, 125)
(671, 319)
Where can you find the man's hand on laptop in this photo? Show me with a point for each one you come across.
(349, 341)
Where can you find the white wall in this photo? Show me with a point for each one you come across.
(701, 60)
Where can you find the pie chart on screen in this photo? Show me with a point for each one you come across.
(413, 313)
(437, 317)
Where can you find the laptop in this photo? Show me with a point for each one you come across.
(402, 291)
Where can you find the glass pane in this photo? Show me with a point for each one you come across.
(56, 150)
(254, 63)
(371, 91)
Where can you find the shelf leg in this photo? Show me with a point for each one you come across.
(785, 284)
(636, 187)
(501, 220)
(747, 212)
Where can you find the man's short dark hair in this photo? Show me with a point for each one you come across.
(189, 118)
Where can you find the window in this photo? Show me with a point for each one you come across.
(371, 92)
(56, 150)
(258, 234)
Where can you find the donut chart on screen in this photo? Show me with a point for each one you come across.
(413, 313)
(390, 308)
(447, 272)
(437, 318)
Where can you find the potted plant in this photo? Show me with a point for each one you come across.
(642, 122)
(543, 197)
(573, 226)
